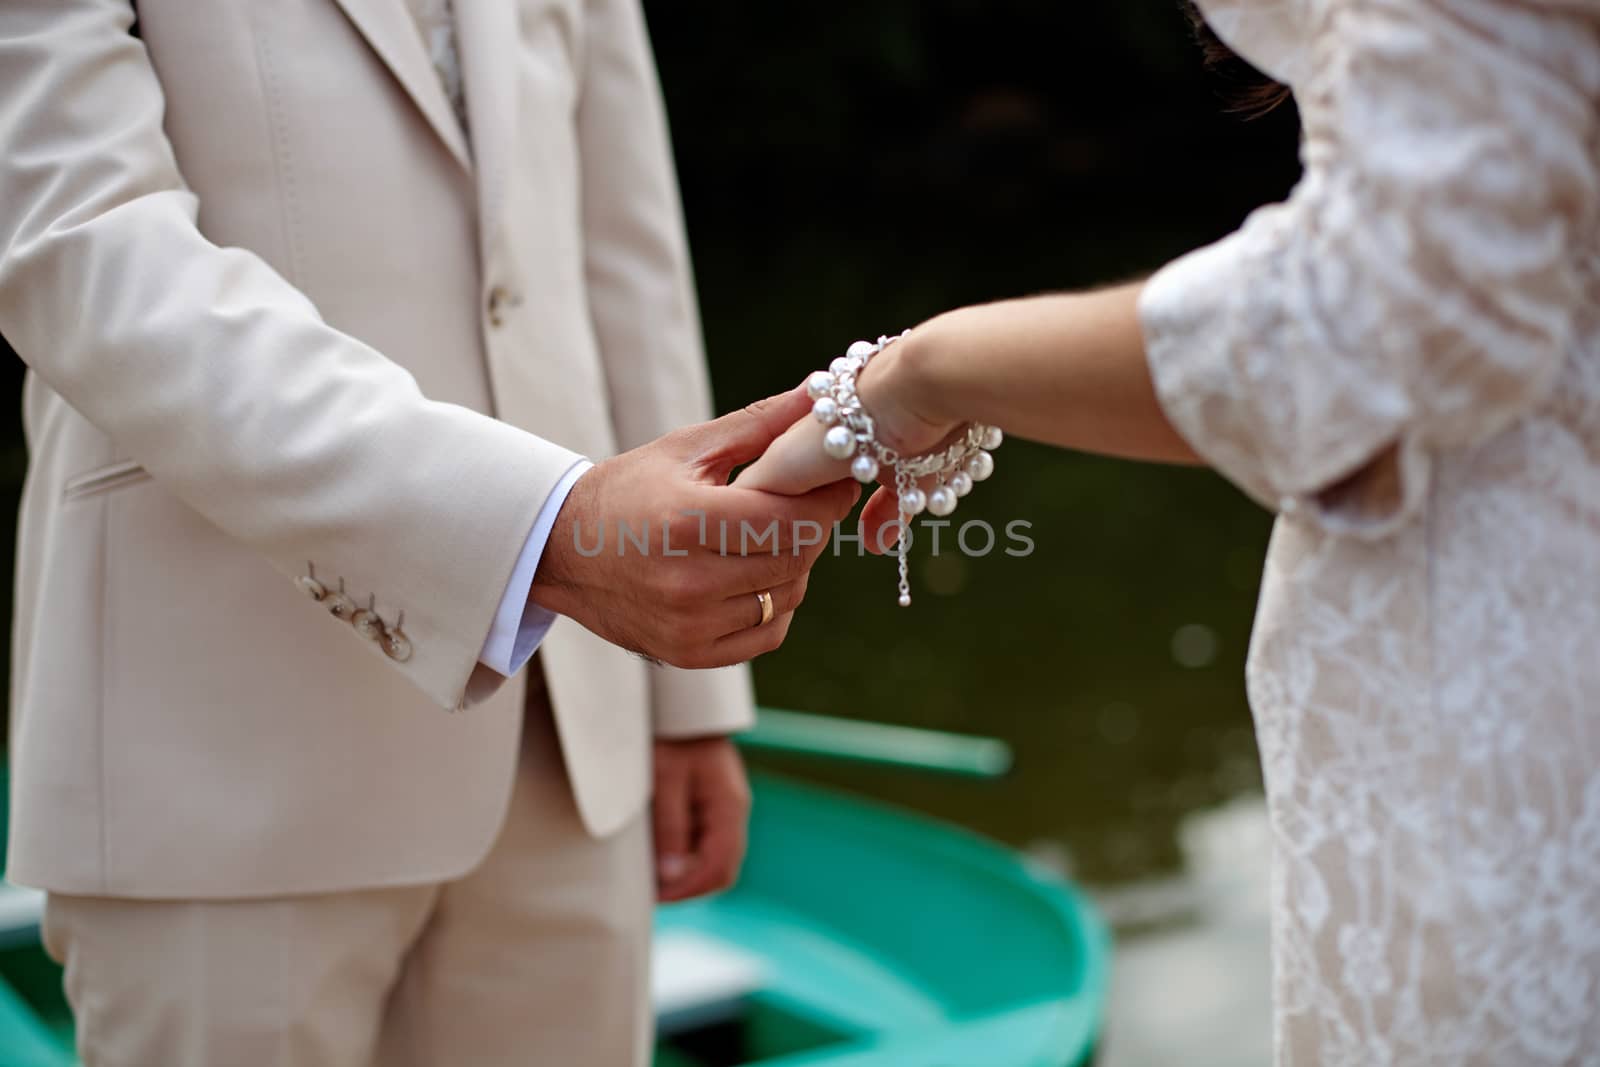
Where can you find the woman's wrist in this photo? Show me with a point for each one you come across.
(927, 349)
(878, 421)
(903, 384)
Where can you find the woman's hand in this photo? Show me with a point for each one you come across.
(794, 463)
(906, 421)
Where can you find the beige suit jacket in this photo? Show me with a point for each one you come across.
(278, 314)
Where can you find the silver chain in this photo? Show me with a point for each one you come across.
(903, 481)
(853, 435)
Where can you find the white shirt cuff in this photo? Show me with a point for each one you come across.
(520, 626)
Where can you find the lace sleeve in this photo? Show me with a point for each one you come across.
(1419, 288)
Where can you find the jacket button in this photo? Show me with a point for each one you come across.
(501, 298)
(394, 642)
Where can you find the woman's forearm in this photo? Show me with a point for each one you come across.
(1067, 370)
(1064, 370)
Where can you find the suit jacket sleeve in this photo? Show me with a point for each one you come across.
(641, 298)
(220, 377)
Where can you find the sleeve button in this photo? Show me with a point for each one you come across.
(339, 605)
(307, 583)
(367, 622)
(396, 645)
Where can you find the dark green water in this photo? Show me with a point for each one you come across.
(1111, 658)
(848, 172)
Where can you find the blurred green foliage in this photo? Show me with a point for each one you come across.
(851, 169)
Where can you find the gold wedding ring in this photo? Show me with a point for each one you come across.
(766, 608)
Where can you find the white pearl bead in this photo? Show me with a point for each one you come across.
(865, 468)
(819, 384)
(905, 600)
(825, 410)
(839, 366)
(992, 437)
(912, 502)
(861, 350)
(980, 466)
(942, 501)
(839, 442)
(961, 482)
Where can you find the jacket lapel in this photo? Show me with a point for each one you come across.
(388, 28)
(487, 34)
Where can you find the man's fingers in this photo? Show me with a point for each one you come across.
(724, 819)
(882, 511)
(708, 782)
(795, 464)
(742, 611)
(744, 645)
(835, 500)
(673, 824)
(741, 436)
(716, 862)
(749, 522)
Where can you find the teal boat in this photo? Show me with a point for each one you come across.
(858, 936)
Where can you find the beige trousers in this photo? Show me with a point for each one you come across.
(538, 957)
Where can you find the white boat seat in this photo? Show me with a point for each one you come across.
(698, 980)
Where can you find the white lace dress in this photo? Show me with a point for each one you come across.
(1403, 360)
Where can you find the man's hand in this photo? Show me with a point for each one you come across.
(700, 810)
(655, 552)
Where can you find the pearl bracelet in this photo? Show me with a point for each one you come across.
(852, 435)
